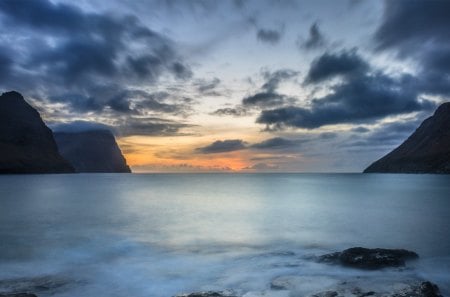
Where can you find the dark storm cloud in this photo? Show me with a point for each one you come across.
(329, 65)
(148, 126)
(315, 39)
(264, 99)
(361, 99)
(141, 102)
(223, 146)
(208, 87)
(363, 95)
(408, 24)
(273, 79)
(5, 64)
(126, 127)
(80, 55)
(80, 126)
(230, 111)
(128, 102)
(269, 36)
(360, 129)
(275, 143)
(419, 30)
(327, 135)
(181, 71)
(389, 134)
(268, 95)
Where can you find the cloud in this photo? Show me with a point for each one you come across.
(363, 95)
(387, 135)
(143, 102)
(125, 127)
(228, 111)
(359, 100)
(264, 99)
(408, 24)
(79, 126)
(360, 129)
(129, 102)
(181, 167)
(206, 87)
(273, 79)
(275, 143)
(83, 59)
(345, 63)
(268, 95)
(222, 146)
(262, 167)
(5, 64)
(269, 36)
(418, 30)
(315, 39)
(148, 126)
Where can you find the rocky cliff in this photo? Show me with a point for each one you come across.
(26, 143)
(91, 151)
(427, 150)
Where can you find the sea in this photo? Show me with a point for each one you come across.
(158, 235)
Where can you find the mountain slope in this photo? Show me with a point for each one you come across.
(427, 150)
(26, 143)
(92, 151)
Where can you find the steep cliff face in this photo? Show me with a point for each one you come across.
(427, 150)
(26, 143)
(91, 151)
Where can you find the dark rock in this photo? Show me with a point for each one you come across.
(425, 289)
(364, 258)
(49, 284)
(429, 289)
(19, 295)
(207, 294)
(427, 150)
(365, 294)
(91, 151)
(26, 143)
(325, 294)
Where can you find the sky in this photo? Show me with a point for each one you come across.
(233, 85)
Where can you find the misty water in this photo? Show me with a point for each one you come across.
(162, 234)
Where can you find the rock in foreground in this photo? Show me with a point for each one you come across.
(18, 295)
(423, 289)
(427, 150)
(92, 151)
(207, 294)
(364, 258)
(353, 287)
(26, 143)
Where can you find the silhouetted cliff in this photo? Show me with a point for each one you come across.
(427, 150)
(26, 143)
(91, 151)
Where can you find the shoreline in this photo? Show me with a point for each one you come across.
(357, 259)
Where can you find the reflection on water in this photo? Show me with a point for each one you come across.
(157, 235)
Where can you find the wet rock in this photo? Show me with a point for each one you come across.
(364, 258)
(37, 285)
(325, 294)
(425, 289)
(18, 295)
(303, 284)
(370, 293)
(208, 294)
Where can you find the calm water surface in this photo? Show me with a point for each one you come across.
(158, 235)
